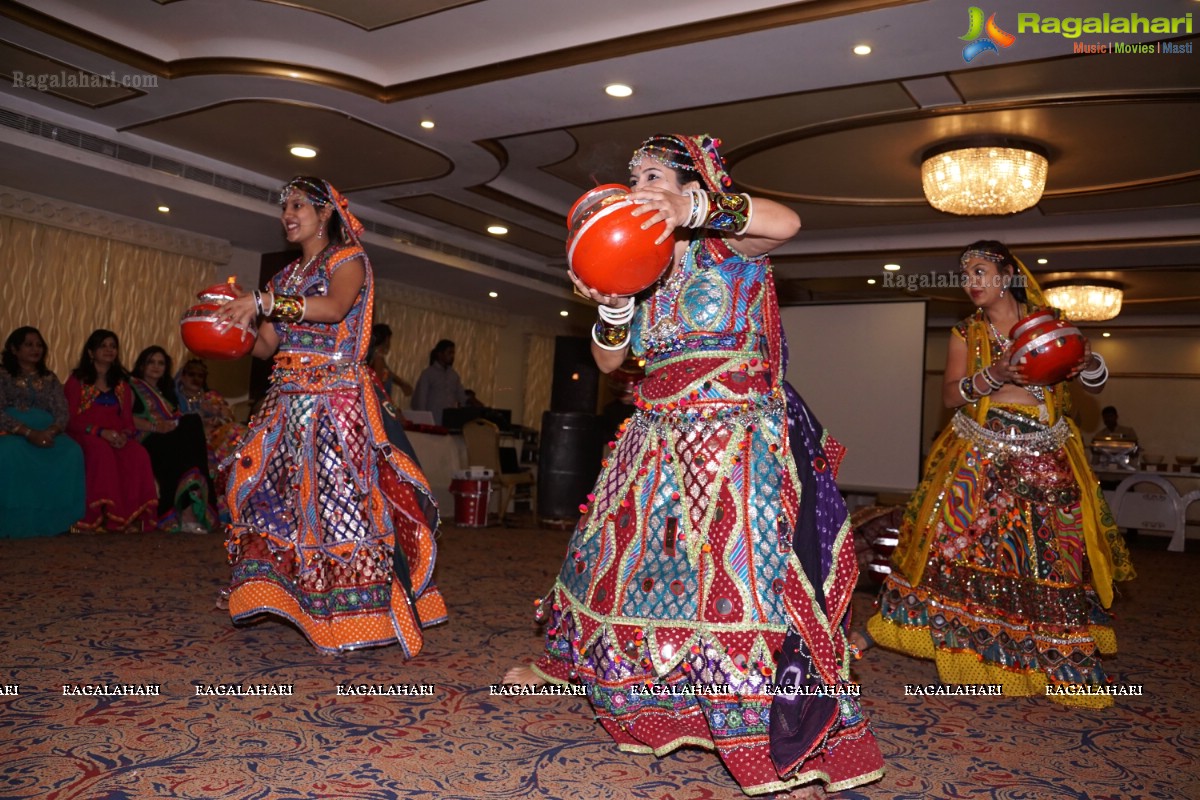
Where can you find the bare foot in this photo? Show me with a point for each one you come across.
(809, 791)
(860, 643)
(222, 603)
(523, 676)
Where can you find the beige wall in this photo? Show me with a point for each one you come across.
(68, 283)
(1154, 384)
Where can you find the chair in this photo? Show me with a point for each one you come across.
(1151, 510)
(483, 450)
(240, 406)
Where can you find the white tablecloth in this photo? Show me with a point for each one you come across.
(440, 457)
(1161, 507)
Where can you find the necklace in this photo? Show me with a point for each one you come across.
(30, 380)
(297, 276)
(665, 302)
(999, 338)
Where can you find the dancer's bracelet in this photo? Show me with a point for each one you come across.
(700, 205)
(1095, 378)
(288, 308)
(610, 337)
(1098, 371)
(728, 212)
(966, 389)
(616, 316)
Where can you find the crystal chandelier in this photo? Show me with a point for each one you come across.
(1086, 301)
(984, 176)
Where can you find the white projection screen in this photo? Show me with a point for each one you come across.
(860, 367)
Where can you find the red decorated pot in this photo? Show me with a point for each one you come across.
(1047, 349)
(1030, 321)
(198, 326)
(606, 246)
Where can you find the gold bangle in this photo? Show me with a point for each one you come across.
(288, 308)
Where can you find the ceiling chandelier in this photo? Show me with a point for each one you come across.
(974, 177)
(1086, 300)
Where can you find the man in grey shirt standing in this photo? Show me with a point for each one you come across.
(439, 386)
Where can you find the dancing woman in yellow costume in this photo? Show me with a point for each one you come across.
(1008, 552)
(331, 527)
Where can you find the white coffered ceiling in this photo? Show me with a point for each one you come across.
(523, 126)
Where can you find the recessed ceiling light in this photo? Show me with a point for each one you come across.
(165, 209)
(493, 294)
(891, 267)
(618, 90)
(427, 124)
(1043, 261)
(862, 50)
(562, 313)
(1106, 334)
(497, 230)
(303, 151)
(871, 281)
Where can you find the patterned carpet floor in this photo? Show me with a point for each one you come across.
(140, 610)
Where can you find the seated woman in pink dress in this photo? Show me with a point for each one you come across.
(120, 490)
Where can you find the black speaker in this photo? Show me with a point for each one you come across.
(576, 385)
(568, 463)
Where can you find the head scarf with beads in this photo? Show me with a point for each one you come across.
(697, 154)
(321, 193)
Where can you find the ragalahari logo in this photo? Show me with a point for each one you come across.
(983, 37)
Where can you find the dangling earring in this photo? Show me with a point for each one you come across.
(320, 233)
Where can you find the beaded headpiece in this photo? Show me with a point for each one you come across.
(320, 193)
(698, 154)
(665, 149)
(986, 255)
(1033, 290)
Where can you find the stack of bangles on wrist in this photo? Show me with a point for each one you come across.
(612, 331)
(283, 308)
(1094, 378)
(722, 212)
(968, 390)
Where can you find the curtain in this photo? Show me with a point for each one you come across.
(67, 284)
(539, 374)
(415, 330)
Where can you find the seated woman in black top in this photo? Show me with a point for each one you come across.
(176, 443)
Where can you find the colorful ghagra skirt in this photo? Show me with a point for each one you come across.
(331, 527)
(681, 601)
(1006, 596)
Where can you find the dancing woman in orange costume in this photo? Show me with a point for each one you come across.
(331, 527)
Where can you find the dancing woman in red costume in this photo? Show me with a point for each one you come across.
(331, 527)
(705, 597)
